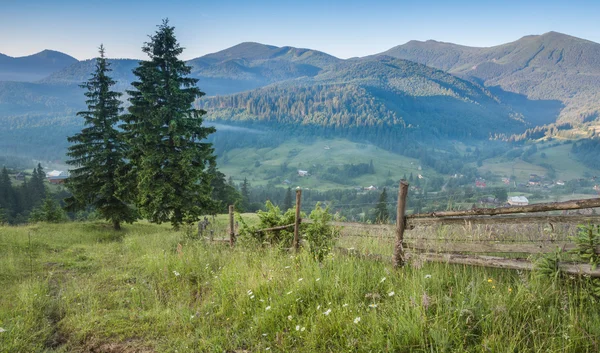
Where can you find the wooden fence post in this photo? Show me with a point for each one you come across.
(231, 229)
(297, 221)
(399, 258)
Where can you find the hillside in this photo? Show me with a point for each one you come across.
(377, 93)
(551, 68)
(33, 67)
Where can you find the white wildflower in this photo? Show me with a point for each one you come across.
(2, 330)
(290, 317)
(297, 327)
(391, 294)
(318, 279)
(287, 267)
(268, 308)
(302, 329)
(249, 292)
(318, 307)
(290, 292)
(357, 320)
(300, 279)
(268, 348)
(264, 335)
(345, 305)
(372, 306)
(252, 296)
(176, 273)
(327, 312)
(382, 280)
(427, 276)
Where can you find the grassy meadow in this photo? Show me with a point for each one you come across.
(308, 156)
(81, 287)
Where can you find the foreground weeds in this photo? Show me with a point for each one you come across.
(84, 288)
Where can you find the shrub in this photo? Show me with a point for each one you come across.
(272, 217)
(320, 234)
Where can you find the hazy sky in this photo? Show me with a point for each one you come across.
(344, 28)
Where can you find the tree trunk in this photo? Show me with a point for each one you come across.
(116, 225)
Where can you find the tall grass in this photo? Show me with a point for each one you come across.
(152, 289)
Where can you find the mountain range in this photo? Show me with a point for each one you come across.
(432, 88)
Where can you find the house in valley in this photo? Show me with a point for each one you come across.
(57, 177)
(518, 201)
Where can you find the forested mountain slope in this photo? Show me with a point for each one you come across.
(552, 66)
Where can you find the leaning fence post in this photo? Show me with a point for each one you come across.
(297, 221)
(399, 258)
(231, 229)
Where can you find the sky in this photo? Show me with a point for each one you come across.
(343, 28)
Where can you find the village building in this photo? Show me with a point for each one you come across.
(560, 182)
(371, 188)
(20, 176)
(302, 173)
(56, 177)
(518, 201)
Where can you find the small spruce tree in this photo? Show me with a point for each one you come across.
(381, 212)
(98, 152)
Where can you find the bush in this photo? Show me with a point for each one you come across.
(272, 217)
(49, 212)
(319, 234)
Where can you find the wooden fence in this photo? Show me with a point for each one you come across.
(473, 251)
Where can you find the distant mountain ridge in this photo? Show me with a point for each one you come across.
(33, 67)
(551, 66)
(437, 88)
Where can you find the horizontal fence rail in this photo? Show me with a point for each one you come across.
(540, 207)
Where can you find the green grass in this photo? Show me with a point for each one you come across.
(81, 287)
(306, 156)
(559, 157)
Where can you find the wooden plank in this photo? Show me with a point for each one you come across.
(475, 247)
(389, 227)
(541, 207)
(484, 261)
(231, 228)
(399, 259)
(412, 223)
(513, 264)
(276, 228)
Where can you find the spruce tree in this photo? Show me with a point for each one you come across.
(245, 191)
(171, 162)
(287, 201)
(98, 152)
(381, 211)
(37, 189)
(7, 199)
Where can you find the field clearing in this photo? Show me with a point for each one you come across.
(521, 168)
(305, 156)
(559, 157)
(81, 287)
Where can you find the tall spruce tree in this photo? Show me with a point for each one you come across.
(171, 162)
(98, 152)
